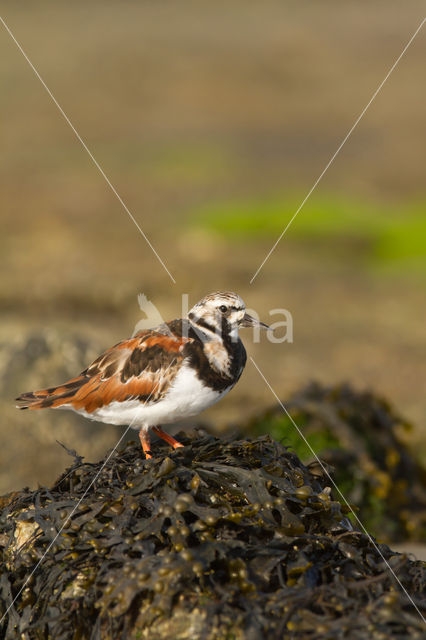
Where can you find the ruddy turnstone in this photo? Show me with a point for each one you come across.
(161, 375)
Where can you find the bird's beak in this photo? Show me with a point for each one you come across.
(249, 321)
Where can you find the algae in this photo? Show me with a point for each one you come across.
(224, 538)
(362, 438)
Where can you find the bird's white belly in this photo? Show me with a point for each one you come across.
(187, 396)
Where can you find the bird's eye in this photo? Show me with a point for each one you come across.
(223, 308)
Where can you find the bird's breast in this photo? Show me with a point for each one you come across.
(189, 394)
(218, 357)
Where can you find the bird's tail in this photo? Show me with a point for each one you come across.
(52, 397)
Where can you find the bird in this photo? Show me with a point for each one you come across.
(160, 375)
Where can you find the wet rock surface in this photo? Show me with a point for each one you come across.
(224, 538)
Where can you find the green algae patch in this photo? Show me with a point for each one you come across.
(224, 538)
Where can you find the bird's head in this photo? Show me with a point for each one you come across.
(220, 313)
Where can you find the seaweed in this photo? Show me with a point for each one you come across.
(224, 538)
(361, 437)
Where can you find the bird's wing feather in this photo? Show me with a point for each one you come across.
(141, 368)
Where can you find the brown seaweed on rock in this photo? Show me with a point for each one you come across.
(224, 538)
(361, 436)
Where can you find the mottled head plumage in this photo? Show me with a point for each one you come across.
(222, 312)
(218, 311)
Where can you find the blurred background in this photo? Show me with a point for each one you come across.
(213, 121)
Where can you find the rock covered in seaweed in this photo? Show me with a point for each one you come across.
(361, 436)
(222, 539)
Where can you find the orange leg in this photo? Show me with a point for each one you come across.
(146, 446)
(165, 436)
